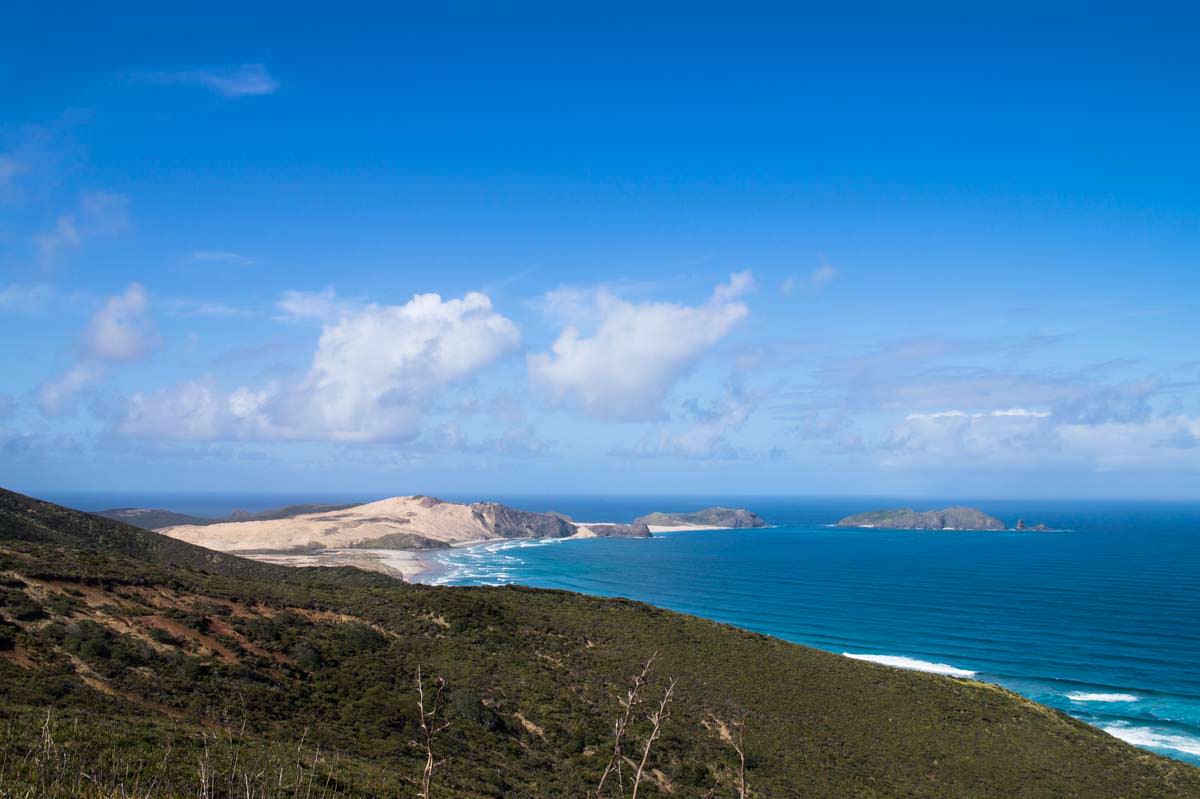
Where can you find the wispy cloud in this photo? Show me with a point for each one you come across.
(99, 213)
(319, 305)
(706, 434)
(246, 80)
(120, 332)
(221, 257)
(818, 278)
(185, 307)
(30, 157)
(822, 276)
(24, 297)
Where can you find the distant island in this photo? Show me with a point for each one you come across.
(955, 518)
(712, 518)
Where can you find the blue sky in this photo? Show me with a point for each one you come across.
(372, 250)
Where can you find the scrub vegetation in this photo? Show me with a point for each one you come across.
(132, 665)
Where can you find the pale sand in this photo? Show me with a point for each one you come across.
(406, 564)
(448, 522)
(682, 528)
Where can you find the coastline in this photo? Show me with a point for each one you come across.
(425, 564)
(410, 564)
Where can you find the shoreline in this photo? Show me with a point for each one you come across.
(410, 565)
(423, 558)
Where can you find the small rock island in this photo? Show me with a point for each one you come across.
(717, 518)
(955, 518)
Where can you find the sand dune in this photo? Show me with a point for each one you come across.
(406, 522)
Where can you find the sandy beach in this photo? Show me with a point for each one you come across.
(407, 564)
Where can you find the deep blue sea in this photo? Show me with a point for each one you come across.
(1101, 619)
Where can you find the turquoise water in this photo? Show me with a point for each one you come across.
(1101, 620)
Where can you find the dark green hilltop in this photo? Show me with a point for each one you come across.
(135, 665)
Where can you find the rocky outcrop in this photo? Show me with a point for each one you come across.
(506, 522)
(718, 518)
(635, 530)
(955, 518)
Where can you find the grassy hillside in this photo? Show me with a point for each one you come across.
(165, 666)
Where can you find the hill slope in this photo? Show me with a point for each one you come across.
(163, 660)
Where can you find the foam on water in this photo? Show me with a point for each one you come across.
(1152, 738)
(913, 664)
(1085, 696)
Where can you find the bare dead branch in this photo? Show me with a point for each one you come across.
(433, 722)
(657, 718)
(631, 700)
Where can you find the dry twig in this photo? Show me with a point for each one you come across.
(631, 700)
(433, 722)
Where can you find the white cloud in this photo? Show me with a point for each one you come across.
(638, 352)
(1021, 438)
(321, 305)
(56, 396)
(740, 284)
(119, 332)
(221, 257)
(186, 307)
(240, 81)
(375, 371)
(818, 278)
(193, 411)
(952, 438)
(1158, 442)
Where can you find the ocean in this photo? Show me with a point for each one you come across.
(1100, 619)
